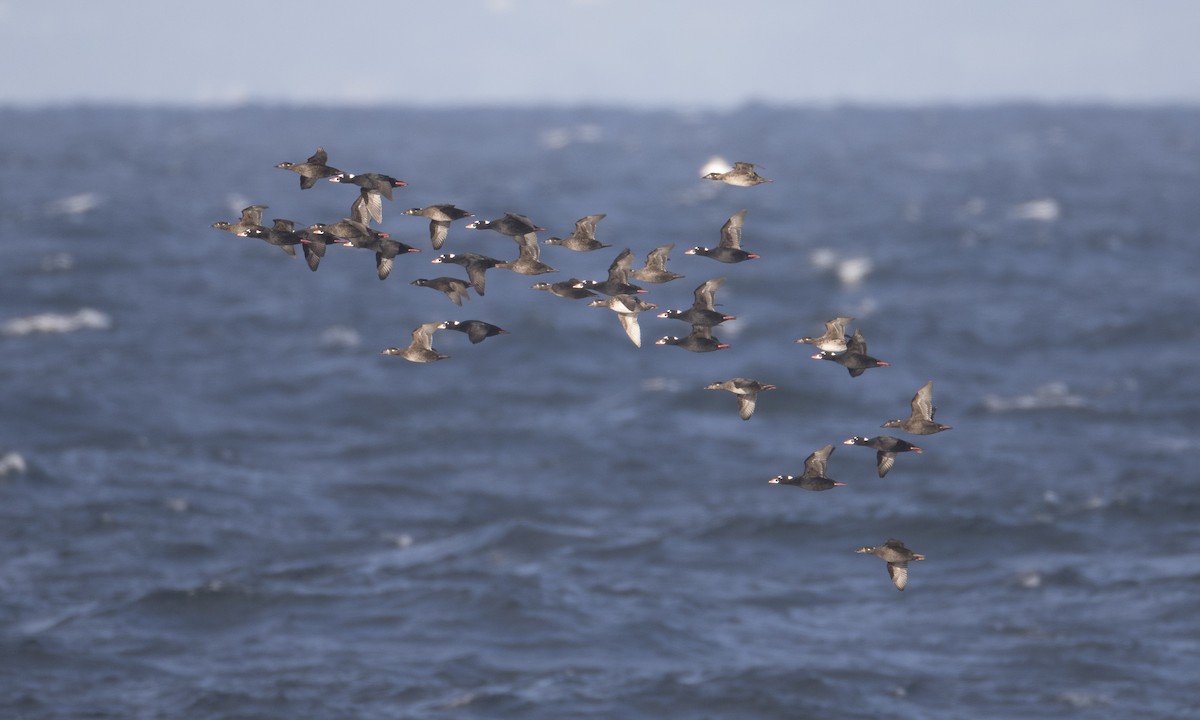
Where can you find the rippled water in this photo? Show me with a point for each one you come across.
(217, 500)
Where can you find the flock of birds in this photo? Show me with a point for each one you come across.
(617, 292)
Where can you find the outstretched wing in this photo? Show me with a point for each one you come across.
(731, 231)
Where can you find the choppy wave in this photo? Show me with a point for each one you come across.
(229, 505)
(1051, 396)
(83, 319)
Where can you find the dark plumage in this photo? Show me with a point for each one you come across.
(855, 359)
(528, 261)
(699, 340)
(897, 557)
(886, 448)
(251, 220)
(311, 170)
(565, 289)
(583, 239)
(454, 288)
(314, 243)
(372, 187)
(420, 350)
(440, 217)
(834, 339)
(813, 477)
(617, 282)
(920, 422)
(476, 330)
(511, 224)
(281, 234)
(742, 175)
(476, 265)
(381, 244)
(627, 308)
(348, 231)
(655, 269)
(745, 389)
(703, 310)
(729, 250)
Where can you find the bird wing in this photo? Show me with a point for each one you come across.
(898, 572)
(522, 219)
(657, 258)
(731, 231)
(477, 331)
(836, 328)
(884, 461)
(629, 321)
(253, 215)
(706, 294)
(320, 157)
(814, 465)
(311, 257)
(619, 271)
(529, 247)
(857, 344)
(475, 272)
(438, 230)
(374, 204)
(585, 227)
(922, 402)
(422, 335)
(383, 265)
(746, 403)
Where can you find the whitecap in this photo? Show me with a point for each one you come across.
(851, 271)
(12, 463)
(1041, 210)
(661, 384)
(84, 319)
(74, 205)
(340, 337)
(560, 137)
(1050, 396)
(57, 262)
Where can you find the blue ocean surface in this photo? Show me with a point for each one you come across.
(219, 500)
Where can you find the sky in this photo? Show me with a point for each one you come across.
(636, 53)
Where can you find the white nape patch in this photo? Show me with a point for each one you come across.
(12, 463)
(340, 337)
(86, 318)
(1041, 210)
(177, 504)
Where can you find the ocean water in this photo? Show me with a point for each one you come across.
(218, 500)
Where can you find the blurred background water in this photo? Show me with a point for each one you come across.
(217, 500)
